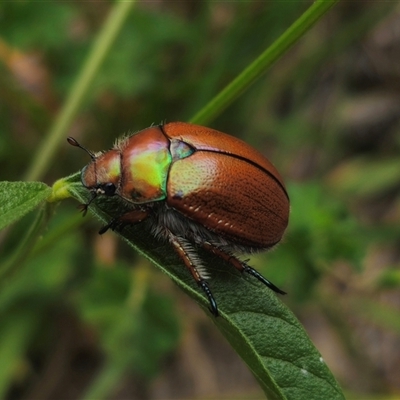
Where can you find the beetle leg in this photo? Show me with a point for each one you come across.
(256, 274)
(184, 249)
(241, 266)
(213, 304)
(129, 218)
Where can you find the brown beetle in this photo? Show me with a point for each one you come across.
(199, 188)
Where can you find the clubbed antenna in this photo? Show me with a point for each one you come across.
(75, 143)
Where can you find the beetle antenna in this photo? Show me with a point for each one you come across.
(74, 142)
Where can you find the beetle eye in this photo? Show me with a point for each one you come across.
(109, 189)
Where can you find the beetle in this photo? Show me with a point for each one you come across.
(198, 187)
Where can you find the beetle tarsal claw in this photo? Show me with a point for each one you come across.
(266, 282)
(113, 225)
(104, 229)
(83, 208)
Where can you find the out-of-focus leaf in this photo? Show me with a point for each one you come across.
(15, 334)
(128, 316)
(132, 71)
(52, 18)
(389, 279)
(366, 177)
(24, 303)
(42, 278)
(106, 305)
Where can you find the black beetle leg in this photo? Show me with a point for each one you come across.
(266, 282)
(213, 304)
(241, 266)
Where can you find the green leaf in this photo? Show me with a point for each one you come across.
(258, 325)
(18, 198)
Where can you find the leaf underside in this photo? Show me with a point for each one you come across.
(262, 330)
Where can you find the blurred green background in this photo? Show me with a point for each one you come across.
(85, 317)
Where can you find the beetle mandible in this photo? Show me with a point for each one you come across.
(199, 188)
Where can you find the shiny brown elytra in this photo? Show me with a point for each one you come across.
(198, 188)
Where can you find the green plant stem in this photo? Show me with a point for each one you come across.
(104, 41)
(263, 62)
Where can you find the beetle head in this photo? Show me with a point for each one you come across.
(102, 175)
